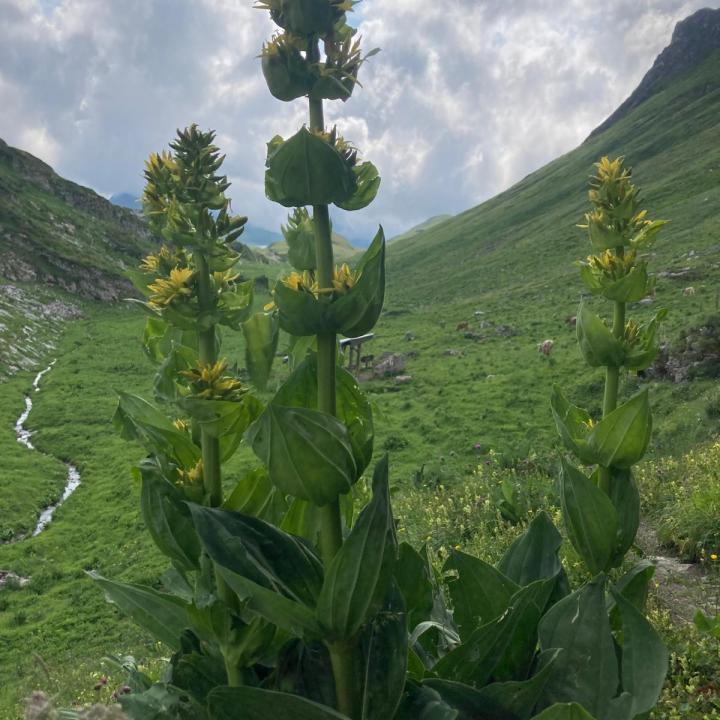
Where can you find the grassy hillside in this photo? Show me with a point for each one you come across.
(60, 234)
(422, 227)
(506, 268)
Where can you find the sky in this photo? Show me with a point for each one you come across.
(465, 98)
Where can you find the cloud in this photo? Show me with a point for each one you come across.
(466, 98)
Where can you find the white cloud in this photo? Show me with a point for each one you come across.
(467, 96)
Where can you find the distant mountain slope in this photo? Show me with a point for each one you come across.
(58, 233)
(693, 40)
(255, 235)
(422, 227)
(527, 234)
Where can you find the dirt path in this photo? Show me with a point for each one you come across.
(682, 587)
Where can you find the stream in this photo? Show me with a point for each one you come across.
(23, 437)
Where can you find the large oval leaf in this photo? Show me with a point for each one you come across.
(167, 518)
(358, 575)
(597, 343)
(352, 407)
(306, 170)
(307, 453)
(261, 333)
(479, 593)
(590, 518)
(164, 616)
(253, 703)
(587, 670)
(644, 657)
(621, 438)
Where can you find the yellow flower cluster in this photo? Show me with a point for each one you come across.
(192, 477)
(175, 286)
(344, 279)
(164, 261)
(210, 382)
(612, 265)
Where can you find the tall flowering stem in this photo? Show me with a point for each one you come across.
(602, 512)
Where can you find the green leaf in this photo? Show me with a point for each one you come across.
(573, 424)
(512, 700)
(597, 343)
(224, 419)
(261, 333)
(305, 669)
(358, 310)
(167, 518)
(643, 351)
(164, 616)
(621, 438)
(178, 358)
(301, 314)
(358, 573)
(634, 584)
(590, 518)
(706, 624)
(534, 554)
(162, 702)
(253, 703)
(644, 657)
(413, 576)
(565, 711)
(368, 184)
(633, 287)
(352, 407)
(255, 495)
(479, 593)
(307, 453)
(503, 648)
(139, 420)
(587, 670)
(289, 615)
(234, 305)
(260, 552)
(423, 703)
(385, 656)
(626, 499)
(306, 170)
(646, 237)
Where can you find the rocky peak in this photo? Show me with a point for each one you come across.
(693, 40)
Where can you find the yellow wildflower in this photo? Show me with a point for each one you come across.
(181, 425)
(150, 264)
(612, 265)
(209, 382)
(344, 278)
(191, 477)
(165, 290)
(713, 556)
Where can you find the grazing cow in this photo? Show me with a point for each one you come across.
(462, 326)
(571, 321)
(545, 347)
(688, 291)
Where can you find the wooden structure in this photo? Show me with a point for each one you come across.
(354, 347)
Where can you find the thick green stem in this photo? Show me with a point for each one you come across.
(612, 381)
(212, 476)
(207, 349)
(342, 655)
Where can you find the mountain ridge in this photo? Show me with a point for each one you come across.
(693, 39)
(61, 234)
